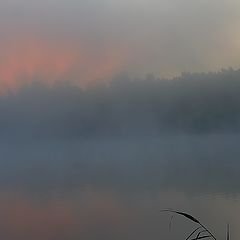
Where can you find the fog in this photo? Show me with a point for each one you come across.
(128, 166)
(127, 135)
(192, 103)
(100, 162)
(112, 110)
(90, 41)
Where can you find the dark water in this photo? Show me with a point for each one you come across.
(116, 187)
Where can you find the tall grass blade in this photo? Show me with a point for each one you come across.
(193, 232)
(183, 214)
(190, 217)
(170, 223)
(228, 232)
(201, 237)
(198, 235)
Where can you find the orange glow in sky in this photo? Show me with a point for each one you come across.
(27, 59)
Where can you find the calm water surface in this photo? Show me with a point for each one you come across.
(115, 187)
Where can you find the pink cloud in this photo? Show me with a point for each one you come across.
(29, 58)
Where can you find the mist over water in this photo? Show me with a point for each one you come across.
(115, 187)
(127, 165)
(102, 163)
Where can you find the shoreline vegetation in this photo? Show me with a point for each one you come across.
(200, 231)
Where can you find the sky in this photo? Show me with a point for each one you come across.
(87, 41)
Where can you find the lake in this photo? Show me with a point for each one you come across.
(115, 187)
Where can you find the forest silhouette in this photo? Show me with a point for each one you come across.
(191, 103)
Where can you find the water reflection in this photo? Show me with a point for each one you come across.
(115, 188)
